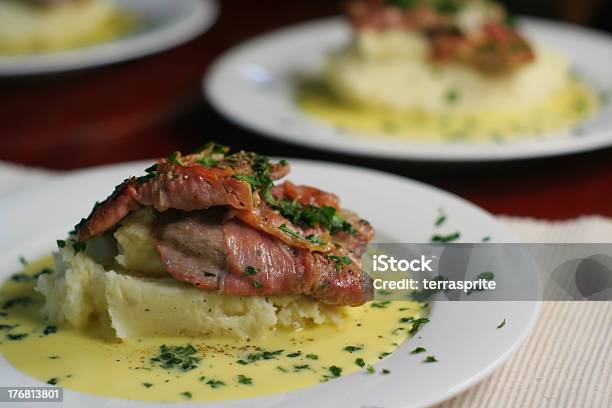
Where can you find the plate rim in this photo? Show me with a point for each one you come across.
(212, 92)
(519, 338)
(115, 51)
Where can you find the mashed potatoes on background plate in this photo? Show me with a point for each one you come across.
(27, 28)
(421, 71)
(390, 70)
(126, 289)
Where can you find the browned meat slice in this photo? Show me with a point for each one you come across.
(261, 265)
(306, 195)
(198, 181)
(338, 283)
(194, 188)
(192, 246)
(172, 186)
(202, 249)
(107, 214)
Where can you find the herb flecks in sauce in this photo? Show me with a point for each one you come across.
(267, 363)
(183, 358)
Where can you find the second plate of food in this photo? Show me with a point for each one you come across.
(510, 91)
(40, 37)
(118, 327)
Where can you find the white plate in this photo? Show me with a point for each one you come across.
(254, 84)
(162, 25)
(462, 335)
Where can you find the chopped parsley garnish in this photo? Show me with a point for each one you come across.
(23, 261)
(250, 270)
(207, 161)
(452, 96)
(79, 246)
(501, 324)
(186, 394)
(243, 379)
(430, 359)
(16, 336)
(151, 173)
(256, 284)
(289, 231)
(335, 371)
(417, 323)
(383, 355)
(147, 385)
(340, 261)
(486, 239)
(446, 238)
(263, 355)
(360, 362)
(310, 216)
(293, 355)
(300, 367)
(312, 356)
(418, 350)
(284, 370)
(215, 383)
(8, 326)
(18, 301)
(352, 349)
(313, 239)
(441, 220)
(53, 381)
(252, 180)
(297, 213)
(61, 243)
(380, 305)
(488, 276)
(20, 277)
(404, 4)
(50, 330)
(43, 271)
(183, 358)
(370, 369)
(174, 158)
(310, 238)
(385, 371)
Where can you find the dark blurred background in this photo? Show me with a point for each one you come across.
(148, 107)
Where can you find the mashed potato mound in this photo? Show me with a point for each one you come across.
(98, 288)
(24, 28)
(390, 70)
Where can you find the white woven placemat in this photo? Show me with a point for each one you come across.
(567, 360)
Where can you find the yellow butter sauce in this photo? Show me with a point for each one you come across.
(94, 362)
(562, 110)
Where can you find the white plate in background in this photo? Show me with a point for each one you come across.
(162, 24)
(254, 84)
(462, 335)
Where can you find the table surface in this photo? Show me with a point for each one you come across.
(148, 107)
